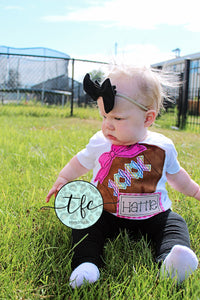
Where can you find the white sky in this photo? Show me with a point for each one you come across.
(144, 31)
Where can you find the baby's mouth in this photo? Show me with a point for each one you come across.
(111, 137)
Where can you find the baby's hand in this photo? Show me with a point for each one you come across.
(56, 187)
(70, 172)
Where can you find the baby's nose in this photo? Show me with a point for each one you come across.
(109, 125)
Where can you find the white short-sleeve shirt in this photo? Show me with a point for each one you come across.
(129, 181)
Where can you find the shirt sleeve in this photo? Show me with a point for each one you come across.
(88, 156)
(172, 165)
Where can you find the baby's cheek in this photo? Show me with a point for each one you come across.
(103, 127)
(123, 129)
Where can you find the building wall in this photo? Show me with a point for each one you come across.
(177, 65)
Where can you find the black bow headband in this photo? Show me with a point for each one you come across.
(95, 90)
(107, 92)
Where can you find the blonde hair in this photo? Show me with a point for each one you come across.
(152, 85)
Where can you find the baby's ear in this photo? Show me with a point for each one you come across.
(150, 117)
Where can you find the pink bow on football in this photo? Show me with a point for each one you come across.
(107, 158)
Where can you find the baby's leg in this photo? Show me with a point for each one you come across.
(88, 247)
(173, 246)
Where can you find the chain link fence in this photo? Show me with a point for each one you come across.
(53, 78)
(45, 76)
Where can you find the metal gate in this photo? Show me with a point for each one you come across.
(188, 104)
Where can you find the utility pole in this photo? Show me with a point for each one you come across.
(116, 45)
(177, 52)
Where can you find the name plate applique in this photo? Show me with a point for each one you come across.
(139, 206)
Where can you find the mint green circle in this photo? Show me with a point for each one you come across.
(72, 213)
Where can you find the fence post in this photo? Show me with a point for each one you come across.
(198, 104)
(63, 100)
(186, 79)
(72, 96)
(18, 96)
(179, 103)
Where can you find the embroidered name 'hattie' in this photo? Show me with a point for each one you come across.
(128, 174)
(107, 158)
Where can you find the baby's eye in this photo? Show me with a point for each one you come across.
(118, 119)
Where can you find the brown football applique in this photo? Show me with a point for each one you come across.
(146, 169)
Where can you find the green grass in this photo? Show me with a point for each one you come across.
(35, 255)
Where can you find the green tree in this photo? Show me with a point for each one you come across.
(96, 75)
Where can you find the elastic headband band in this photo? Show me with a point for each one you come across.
(133, 101)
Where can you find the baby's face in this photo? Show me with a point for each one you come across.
(124, 125)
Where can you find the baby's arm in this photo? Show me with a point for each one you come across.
(70, 172)
(183, 183)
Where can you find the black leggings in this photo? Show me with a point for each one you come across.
(165, 230)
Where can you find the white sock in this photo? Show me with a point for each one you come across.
(85, 272)
(179, 263)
